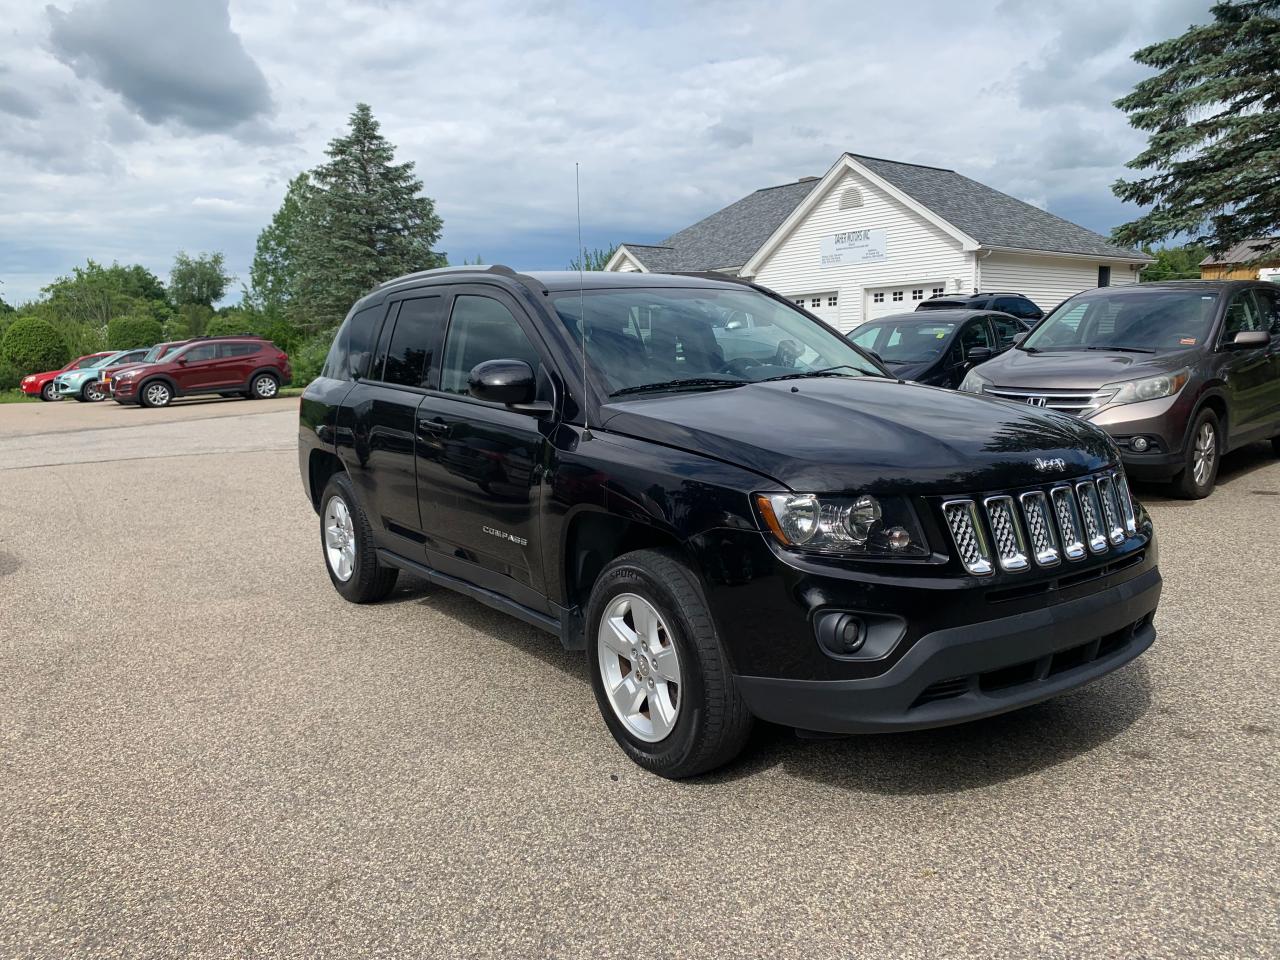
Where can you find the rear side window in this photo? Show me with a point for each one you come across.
(351, 347)
(481, 329)
(413, 339)
(1017, 306)
(237, 349)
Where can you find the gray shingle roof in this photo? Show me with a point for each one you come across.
(1246, 251)
(989, 216)
(730, 237)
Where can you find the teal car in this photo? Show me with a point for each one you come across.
(83, 384)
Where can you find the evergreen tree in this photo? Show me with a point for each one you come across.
(365, 222)
(593, 259)
(1213, 114)
(273, 275)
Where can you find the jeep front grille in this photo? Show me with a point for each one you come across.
(1041, 525)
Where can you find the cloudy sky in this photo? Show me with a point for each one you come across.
(130, 129)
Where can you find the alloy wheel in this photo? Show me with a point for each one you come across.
(640, 667)
(157, 395)
(339, 538)
(94, 392)
(1206, 452)
(265, 387)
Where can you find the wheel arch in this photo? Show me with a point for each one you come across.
(595, 537)
(321, 467)
(168, 381)
(267, 369)
(1213, 398)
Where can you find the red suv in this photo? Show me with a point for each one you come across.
(245, 366)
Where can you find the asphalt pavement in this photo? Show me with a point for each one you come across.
(206, 752)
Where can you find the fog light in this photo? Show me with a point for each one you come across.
(851, 634)
(841, 633)
(1139, 444)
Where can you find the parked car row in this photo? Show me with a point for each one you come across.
(245, 365)
(1178, 373)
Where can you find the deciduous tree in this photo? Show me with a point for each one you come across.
(201, 279)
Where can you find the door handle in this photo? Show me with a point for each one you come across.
(434, 426)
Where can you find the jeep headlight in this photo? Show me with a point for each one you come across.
(861, 525)
(1148, 388)
(974, 382)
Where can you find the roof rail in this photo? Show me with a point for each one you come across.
(226, 336)
(501, 268)
(712, 275)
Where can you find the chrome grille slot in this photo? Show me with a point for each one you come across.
(1110, 509)
(1126, 503)
(1011, 546)
(970, 540)
(1064, 507)
(1040, 532)
(1091, 512)
(1075, 403)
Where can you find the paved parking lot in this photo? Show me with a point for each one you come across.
(207, 753)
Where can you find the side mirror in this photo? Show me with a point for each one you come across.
(509, 382)
(979, 354)
(1019, 338)
(181, 361)
(1251, 340)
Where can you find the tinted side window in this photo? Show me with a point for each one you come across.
(1269, 305)
(236, 349)
(206, 351)
(975, 334)
(481, 329)
(1242, 316)
(417, 329)
(1006, 330)
(351, 347)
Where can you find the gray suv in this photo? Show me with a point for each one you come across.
(1178, 373)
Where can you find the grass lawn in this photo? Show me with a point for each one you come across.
(16, 396)
(291, 391)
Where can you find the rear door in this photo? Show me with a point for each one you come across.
(1268, 300)
(385, 402)
(234, 363)
(480, 465)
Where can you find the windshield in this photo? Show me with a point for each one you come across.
(1146, 321)
(156, 352)
(649, 339)
(84, 363)
(903, 342)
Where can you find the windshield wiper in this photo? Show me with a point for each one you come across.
(1123, 349)
(678, 384)
(824, 372)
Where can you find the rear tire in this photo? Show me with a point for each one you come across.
(1204, 453)
(706, 724)
(263, 387)
(346, 540)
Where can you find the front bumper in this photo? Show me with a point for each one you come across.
(976, 670)
(1162, 422)
(124, 391)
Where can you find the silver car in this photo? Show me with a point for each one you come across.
(1178, 373)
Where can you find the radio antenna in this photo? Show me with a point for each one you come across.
(582, 314)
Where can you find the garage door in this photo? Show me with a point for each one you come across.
(882, 301)
(823, 305)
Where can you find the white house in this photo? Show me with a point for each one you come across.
(875, 237)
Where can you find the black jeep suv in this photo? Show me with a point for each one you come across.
(1014, 304)
(734, 520)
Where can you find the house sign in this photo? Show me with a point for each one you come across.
(853, 247)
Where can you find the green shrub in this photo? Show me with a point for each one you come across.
(133, 330)
(33, 345)
(228, 325)
(10, 376)
(308, 359)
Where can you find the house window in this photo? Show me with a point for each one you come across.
(800, 302)
(815, 302)
(897, 296)
(938, 291)
(831, 300)
(877, 298)
(1104, 276)
(917, 294)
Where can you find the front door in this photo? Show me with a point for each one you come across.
(197, 368)
(480, 464)
(1249, 372)
(975, 333)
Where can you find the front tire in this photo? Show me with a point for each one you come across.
(92, 393)
(47, 393)
(661, 680)
(155, 394)
(1204, 453)
(346, 539)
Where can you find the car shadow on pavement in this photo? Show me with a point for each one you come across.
(1234, 471)
(962, 757)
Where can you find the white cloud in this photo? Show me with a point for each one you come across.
(185, 136)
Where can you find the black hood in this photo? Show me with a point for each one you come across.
(1078, 369)
(847, 434)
